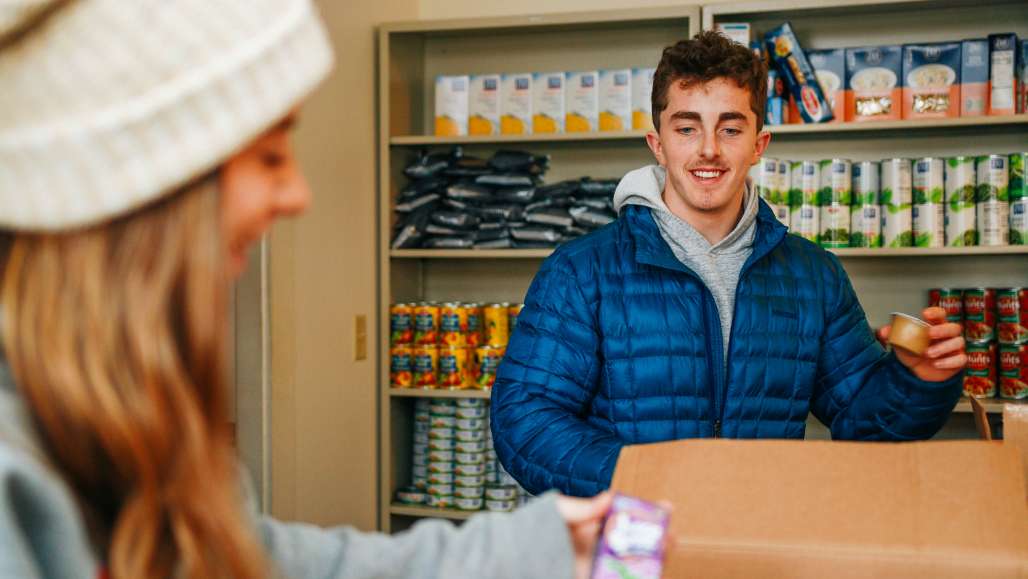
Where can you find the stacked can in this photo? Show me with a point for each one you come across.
(992, 200)
(426, 349)
(471, 425)
(961, 230)
(896, 196)
(783, 182)
(401, 349)
(951, 300)
(805, 183)
(929, 217)
(513, 313)
(764, 176)
(865, 220)
(1018, 193)
(1012, 310)
(422, 426)
(980, 335)
(441, 445)
(834, 202)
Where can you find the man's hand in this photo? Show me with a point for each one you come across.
(584, 517)
(943, 358)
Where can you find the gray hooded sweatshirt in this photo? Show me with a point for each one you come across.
(718, 265)
(44, 536)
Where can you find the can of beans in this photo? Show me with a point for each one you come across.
(474, 313)
(835, 198)
(865, 218)
(401, 323)
(401, 366)
(804, 216)
(497, 324)
(896, 198)
(426, 366)
(487, 362)
(961, 229)
(992, 200)
(980, 377)
(929, 211)
(949, 299)
(980, 315)
(454, 368)
(1012, 310)
(1013, 371)
(426, 323)
(1018, 193)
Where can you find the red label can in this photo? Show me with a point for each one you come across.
(980, 378)
(980, 315)
(1012, 310)
(1013, 371)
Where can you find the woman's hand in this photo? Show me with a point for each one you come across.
(584, 518)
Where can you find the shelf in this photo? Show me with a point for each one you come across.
(841, 252)
(992, 405)
(470, 253)
(802, 129)
(414, 511)
(421, 393)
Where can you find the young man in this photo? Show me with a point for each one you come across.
(695, 314)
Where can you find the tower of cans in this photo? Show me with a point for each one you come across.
(995, 325)
(453, 346)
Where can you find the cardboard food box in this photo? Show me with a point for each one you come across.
(816, 509)
(873, 89)
(1003, 81)
(931, 80)
(451, 106)
(785, 52)
(616, 99)
(548, 102)
(642, 89)
(484, 105)
(516, 104)
(582, 103)
(1022, 106)
(974, 77)
(830, 70)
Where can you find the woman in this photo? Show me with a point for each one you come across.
(144, 147)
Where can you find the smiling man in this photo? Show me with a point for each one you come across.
(695, 314)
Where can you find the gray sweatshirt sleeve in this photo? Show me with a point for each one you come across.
(531, 543)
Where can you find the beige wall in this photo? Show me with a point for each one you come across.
(486, 8)
(322, 274)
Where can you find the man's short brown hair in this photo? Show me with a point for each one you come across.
(707, 56)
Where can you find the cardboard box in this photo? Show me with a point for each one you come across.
(548, 102)
(516, 104)
(616, 99)
(1023, 78)
(484, 105)
(1015, 432)
(830, 70)
(779, 108)
(873, 89)
(815, 509)
(1003, 70)
(451, 106)
(737, 31)
(931, 75)
(785, 52)
(642, 91)
(582, 101)
(974, 76)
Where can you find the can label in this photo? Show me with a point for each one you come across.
(440, 490)
(440, 466)
(440, 501)
(1018, 193)
(471, 424)
(440, 434)
(442, 421)
(479, 412)
(865, 218)
(834, 198)
(470, 435)
(980, 315)
(440, 455)
(1013, 371)
(980, 378)
(401, 366)
(500, 506)
(992, 200)
(805, 183)
(487, 362)
(401, 324)
(470, 469)
(502, 493)
(475, 480)
(441, 445)
(468, 492)
(454, 368)
(467, 458)
(497, 324)
(440, 478)
(951, 300)
(470, 403)
(453, 325)
(426, 324)
(896, 200)
(420, 459)
(426, 366)
(470, 447)
(420, 471)
(929, 195)
(929, 225)
(1012, 310)
(468, 504)
(513, 312)
(961, 229)
(474, 313)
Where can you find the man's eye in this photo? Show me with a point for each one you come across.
(686, 130)
(733, 132)
(272, 159)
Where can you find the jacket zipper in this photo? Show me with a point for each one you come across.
(717, 353)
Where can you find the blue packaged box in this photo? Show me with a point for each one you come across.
(931, 74)
(830, 70)
(788, 57)
(873, 88)
(974, 76)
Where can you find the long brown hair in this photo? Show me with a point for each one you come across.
(115, 336)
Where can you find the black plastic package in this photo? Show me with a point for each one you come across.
(522, 195)
(541, 204)
(561, 189)
(494, 244)
(416, 203)
(591, 218)
(502, 212)
(456, 205)
(601, 187)
(505, 180)
(433, 229)
(555, 217)
(420, 187)
(491, 225)
(537, 234)
(411, 230)
(575, 231)
(492, 234)
(449, 243)
(594, 202)
(466, 192)
(506, 161)
(455, 220)
(428, 166)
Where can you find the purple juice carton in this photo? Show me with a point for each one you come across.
(631, 542)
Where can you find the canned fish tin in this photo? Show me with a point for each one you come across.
(440, 501)
(501, 506)
(487, 361)
(979, 315)
(980, 376)
(442, 422)
(469, 469)
(423, 425)
(443, 408)
(834, 201)
(468, 504)
(441, 433)
(421, 438)
(470, 435)
(440, 444)
(1012, 310)
(444, 466)
(469, 458)
(929, 212)
(1018, 193)
(440, 455)
(411, 496)
(426, 366)
(865, 218)
(454, 368)
(501, 493)
(420, 448)
(513, 312)
(401, 323)
(401, 366)
(471, 424)
(469, 480)
(474, 312)
(949, 299)
(470, 447)
(426, 323)
(804, 216)
(992, 200)
(420, 459)
(470, 403)
(961, 229)
(1013, 371)
(440, 490)
(468, 492)
(440, 478)
(472, 413)
(453, 324)
(497, 324)
(896, 199)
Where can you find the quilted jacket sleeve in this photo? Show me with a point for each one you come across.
(544, 388)
(864, 393)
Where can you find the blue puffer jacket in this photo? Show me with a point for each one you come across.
(619, 343)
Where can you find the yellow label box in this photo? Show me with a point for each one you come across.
(516, 104)
(451, 106)
(615, 99)
(484, 105)
(582, 102)
(642, 88)
(548, 102)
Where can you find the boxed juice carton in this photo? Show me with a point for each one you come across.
(788, 56)
(516, 104)
(1003, 81)
(642, 89)
(974, 76)
(582, 102)
(615, 99)
(830, 70)
(548, 102)
(451, 106)
(484, 105)
(931, 75)
(873, 88)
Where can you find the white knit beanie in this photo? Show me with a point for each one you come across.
(105, 105)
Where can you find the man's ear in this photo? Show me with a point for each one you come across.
(653, 142)
(763, 140)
